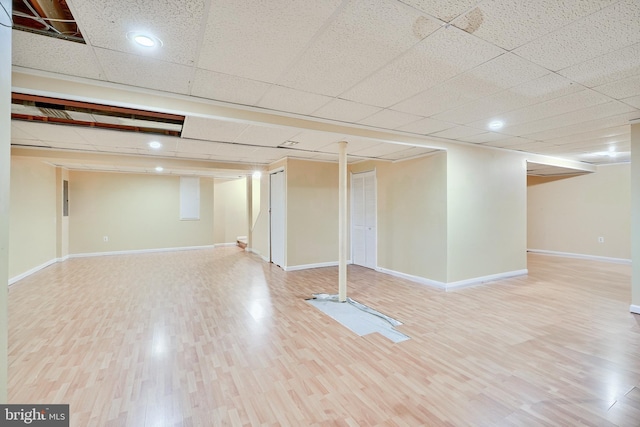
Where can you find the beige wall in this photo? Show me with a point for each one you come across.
(568, 215)
(412, 215)
(32, 235)
(486, 213)
(312, 212)
(230, 210)
(134, 211)
(5, 160)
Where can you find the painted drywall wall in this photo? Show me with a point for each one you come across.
(5, 166)
(486, 213)
(312, 212)
(412, 215)
(570, 214)
(230, 210)
(135, 212)
(32, 224)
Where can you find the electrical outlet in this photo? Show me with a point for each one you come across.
(105, 238)
(600, 239)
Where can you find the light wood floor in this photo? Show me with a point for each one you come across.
(218, 337)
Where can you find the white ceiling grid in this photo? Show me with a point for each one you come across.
(564, 77)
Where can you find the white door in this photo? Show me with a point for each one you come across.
(276, 209)
(363, 219)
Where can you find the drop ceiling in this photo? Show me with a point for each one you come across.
(563, 77)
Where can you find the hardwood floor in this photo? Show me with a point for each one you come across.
(218, 337)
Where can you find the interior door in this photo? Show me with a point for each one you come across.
(363, 219)
(277, 223)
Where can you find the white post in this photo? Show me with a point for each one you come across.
(342, 223)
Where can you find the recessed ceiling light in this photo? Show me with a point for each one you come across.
(159, 168)
(496, 124)
(155, 145)
(144, 40)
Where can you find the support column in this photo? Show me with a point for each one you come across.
(635, 216)
(342, 223)
(5, 164)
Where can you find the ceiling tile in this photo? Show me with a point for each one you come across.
(439, 57)
(281, 98)
(211, 129)
(312, 140)
(263, 155)
(354, 145)
(52, 132)
(365, 36)
(600, 116)
(345, 111)
(144, 71)
(408, 153)
(554, 107)
(224, 87)
(509, 142)
(502, 72)
(509, 23)
(18, 130)
(611, 134)
(216, 149)
(607, 68)
(437, 99)
(265, 135)
(535, 91)
(259, 41)
(106, 25)
(486, 137)
(389, 119)
(119, 150)
(634, 101)
(624, 88)
(612, 28)
(446, 10)
(457, 132)
(379, 150)
(532, 147)
(56, 55)
(426, 126)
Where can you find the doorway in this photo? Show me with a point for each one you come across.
(364, 219)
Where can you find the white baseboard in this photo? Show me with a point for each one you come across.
(317, 265)
(480, 280)
(417, 279)
(222, 245)
(581, 256)
(141, 251)
(453, 285)
(34, 270)
(635, 309)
